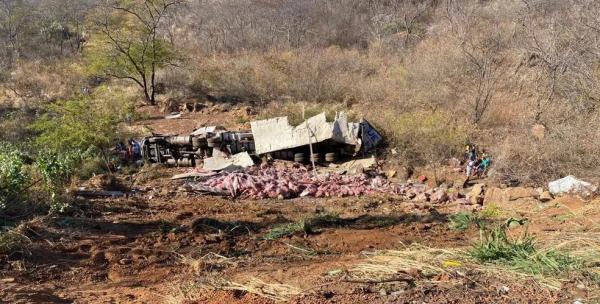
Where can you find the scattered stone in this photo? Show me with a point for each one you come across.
(391, 173)
(439, 197)
(422, 178)
(459, 183)
(546, 196)
(520, 192)
(476, 194)
(503, 290)
(421, 197)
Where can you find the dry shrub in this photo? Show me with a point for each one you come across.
(314, 75)
(32, 82)
(295, 110)
(568, 149)
(422, 137)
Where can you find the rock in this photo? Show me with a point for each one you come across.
(391, 173)
(476, 194)
(422, 178)
(421, 197)
(459, 183)
(494, 195)
(503, 290)
(546, 196)
(520, 192)
(439, 197)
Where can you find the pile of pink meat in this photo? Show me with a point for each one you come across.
(270, 182)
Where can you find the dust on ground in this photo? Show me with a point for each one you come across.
(162, 249)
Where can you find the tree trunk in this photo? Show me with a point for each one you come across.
(149, 98)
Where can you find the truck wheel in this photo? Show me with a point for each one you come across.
(299, 158)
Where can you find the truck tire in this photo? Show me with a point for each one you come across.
(315, 157)
(299, 158)
(330, 157)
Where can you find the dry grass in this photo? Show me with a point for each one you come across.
(383, 265)
(425, 263)
(276, 292)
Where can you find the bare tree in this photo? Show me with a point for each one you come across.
(483, 51)
(136, 48)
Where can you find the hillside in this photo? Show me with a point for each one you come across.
(518, 78)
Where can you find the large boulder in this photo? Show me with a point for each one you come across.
(477, 194)
(521, 192)
(494, 195)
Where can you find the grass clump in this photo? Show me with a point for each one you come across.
(287, 229)
(464, 220)
(520, 253)
(12, 242)
(310, 225)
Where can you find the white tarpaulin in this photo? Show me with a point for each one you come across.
(570, 184)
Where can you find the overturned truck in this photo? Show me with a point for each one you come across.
(315, 140)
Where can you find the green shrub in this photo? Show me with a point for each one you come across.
(79, 124)
(56, 170)
(13, 177)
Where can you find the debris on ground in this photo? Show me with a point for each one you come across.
(228, 163)
(205, 174)
(293, 181)
(571, 184)
(174, 115)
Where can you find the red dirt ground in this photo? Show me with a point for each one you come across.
(165, 246)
